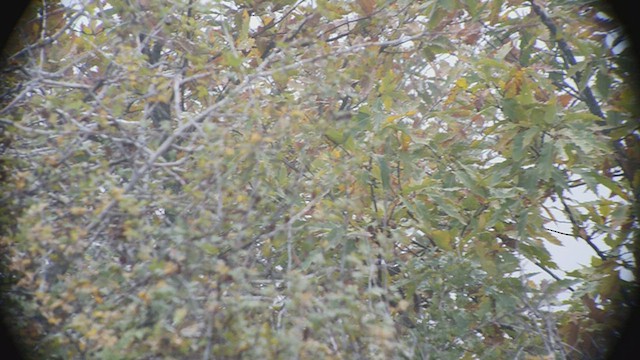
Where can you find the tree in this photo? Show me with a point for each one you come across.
(298, 179)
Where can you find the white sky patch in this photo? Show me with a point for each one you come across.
(574, 253)
(518, 13)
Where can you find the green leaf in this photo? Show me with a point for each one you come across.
(472, 7)
(496, 7)
(529, 135)
(517, 152)
(384, 173)
(231, 59)
(447, 206)
(449, 5)
(436, 15)
(603, 83)
(551, 238)
(522, 223)
(545, 163)
(499, 214)
(510, 109)
(336, 137)
(466, 180)
(611, 185)
(179, 315)
(594, 179)
(550, 113)
(426, 182)
(559, 180)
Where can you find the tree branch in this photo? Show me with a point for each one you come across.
(580, 231)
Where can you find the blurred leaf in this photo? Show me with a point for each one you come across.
(384, 173)
(442, 239)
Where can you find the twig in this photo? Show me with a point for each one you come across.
(570, 59)
(372, 186)
(558, 232)
(587, 94)
(48, 40)
(551, 273)
(260, 72)
(292, 219)
(579, 230)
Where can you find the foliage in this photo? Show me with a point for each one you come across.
(305, 179)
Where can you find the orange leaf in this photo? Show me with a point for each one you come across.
(565, 99)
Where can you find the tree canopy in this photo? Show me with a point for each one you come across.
(317, 179)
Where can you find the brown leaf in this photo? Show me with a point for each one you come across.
(541, 95)
(367, 6)
(594, 312)
(570, 333)
(565, 99)
(478, 119)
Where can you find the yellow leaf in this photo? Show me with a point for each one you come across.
(452, 96)
(117, 193)
(144, 296)
(53, 320)
(161, 284)
(222, 268)
(76, 210)
(170, 268)
(482, 220)
(266, 248)
(512, 87)
(266, 19)
(403, 305)
(387, 101)
(255, 138)
(405, 140)
(92, 333)
(462, 83)
(96, 296)
(21, 181)
(393, 118)
(442, 239)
